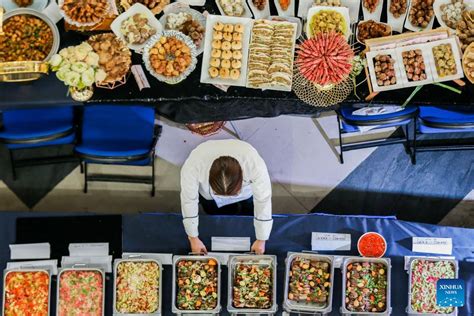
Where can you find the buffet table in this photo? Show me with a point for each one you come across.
(193, 102)
(164, 233)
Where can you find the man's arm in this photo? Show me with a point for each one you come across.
(190, 199)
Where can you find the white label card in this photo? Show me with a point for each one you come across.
(104, 262)
(30, 251)
(443, 246)
(330, 241)
(140, 77)
(89, 249)
(51, 265)
(230, 243)
(163, 258)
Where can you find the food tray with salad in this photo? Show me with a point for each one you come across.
(309, 280)
(80, 291)
(137, 287)
(196, 285)
(252, 284)
(26, 290)
(423, 274)
(366, 286)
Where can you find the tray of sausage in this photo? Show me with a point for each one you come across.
(308, 283)
(366, 286)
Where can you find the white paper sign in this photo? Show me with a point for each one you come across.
(140, 77)
(104, 262)
(230, 243)
(30, 251)
(163, 258)
(223, 257)
(51, 265)
(89, 249)
(330, 241)
(443, 246)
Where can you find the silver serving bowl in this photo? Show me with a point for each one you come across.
(47, 20)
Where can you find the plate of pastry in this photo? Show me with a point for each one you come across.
(226, 50)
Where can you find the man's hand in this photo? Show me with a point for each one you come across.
(197, 246)
(258, 247)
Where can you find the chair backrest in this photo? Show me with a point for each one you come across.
(126, 123)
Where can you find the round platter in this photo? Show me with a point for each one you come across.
(170, 33)
(38, 5)
(75, 23)
(196, 15)
(52, 26)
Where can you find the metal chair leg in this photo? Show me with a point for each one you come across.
(153, 175)
(12, 164)
(85, 177)
(413, 157)
(341, 150)
(81, 165)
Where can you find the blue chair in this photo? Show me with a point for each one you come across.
(118, 135)
(351, 123)
(440, 120)
(40, 127)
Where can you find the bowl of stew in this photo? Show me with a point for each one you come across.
(372, 245)
(28, 36)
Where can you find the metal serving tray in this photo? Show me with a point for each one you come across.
(77, 268)
(7, 271)
(311, 308)
(264, 260)
(117, 262)
(409, 309)
(174, 308)
(350, 260)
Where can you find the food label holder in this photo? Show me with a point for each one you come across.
(301, 308)
(387, 263)
(195, 257)
(267, 260)
(138, 258)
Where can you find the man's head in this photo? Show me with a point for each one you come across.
(225, 176)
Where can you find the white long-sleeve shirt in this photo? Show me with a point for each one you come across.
(195, 181)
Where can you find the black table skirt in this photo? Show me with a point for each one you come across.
(191, 101)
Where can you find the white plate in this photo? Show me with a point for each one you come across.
(437, 9)
(353, 6)
(396, 23)
(291, 19)
(342, 10)
(38, 5)
(374, 15)
(197, 16)
(198, 3)
(413, 28)
(260, 14)
(134, 9)
(247, 12)
(170, 80)
(288, 12)
(211, 20)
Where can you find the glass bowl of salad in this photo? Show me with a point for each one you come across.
(196, 285)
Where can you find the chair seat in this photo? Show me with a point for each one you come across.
(346, 112)
(120, 132)
(445, 120)
(36, 125)
(69, 139)
(347, 128)
(143, 162)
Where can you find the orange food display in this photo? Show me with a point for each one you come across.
(372, 245)
(284, 4)
(27, 293)
(170, 56)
